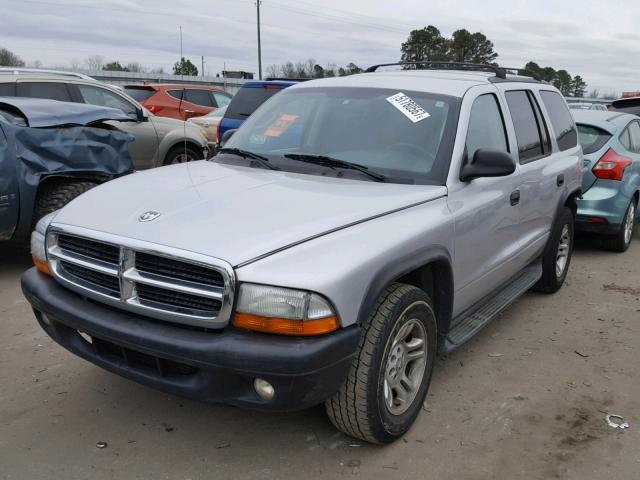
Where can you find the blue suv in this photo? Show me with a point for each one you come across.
(250, 96)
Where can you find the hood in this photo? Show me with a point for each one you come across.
(41, 113)
(235, 213)
(164, 126)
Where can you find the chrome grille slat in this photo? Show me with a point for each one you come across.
(156, 281)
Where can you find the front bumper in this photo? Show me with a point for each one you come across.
(203, 365)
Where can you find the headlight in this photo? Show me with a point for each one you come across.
(38, 246)
(283, 311)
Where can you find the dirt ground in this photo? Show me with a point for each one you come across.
(526, 399)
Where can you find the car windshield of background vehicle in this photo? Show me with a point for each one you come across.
(139, 94)
(395, 134)
(592, 138)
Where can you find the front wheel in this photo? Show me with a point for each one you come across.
(181, 154)
(557, 256)
(390, 376)
(620, 241)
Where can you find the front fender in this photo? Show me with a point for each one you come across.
(177, 136)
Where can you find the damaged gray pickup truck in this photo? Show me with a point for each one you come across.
(348, 231)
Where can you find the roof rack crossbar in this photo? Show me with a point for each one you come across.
(499, 71)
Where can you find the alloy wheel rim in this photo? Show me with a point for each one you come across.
(628, 224)
(405, 366)
(563, 251)
(181, 158)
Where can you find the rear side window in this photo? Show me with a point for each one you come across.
(531, 132)
(198, 97)
(139, 94)
(176, 93)
(247, 100)
(634, 137)
(7, 89)
(221, 100)
(561, 120)
(486, 126)
(592, 138)
(50, 90)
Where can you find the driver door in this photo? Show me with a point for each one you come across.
(486, 217)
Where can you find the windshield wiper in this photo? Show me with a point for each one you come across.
(335, 163)
(264, 161)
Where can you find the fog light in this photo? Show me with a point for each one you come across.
(264, 389)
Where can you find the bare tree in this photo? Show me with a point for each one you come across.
(36, 64)
(330, 70)
(157, 70)
(595, 93)
(75, 64)
(10, 59)
(288, 70)
(94, 63)
(301, 70)
(311, 64)
(135, 67)
(273, 71)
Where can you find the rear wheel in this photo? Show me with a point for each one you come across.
(181, 154)
(56, 193)
(620, 241)
(390, 376)
(557, 256)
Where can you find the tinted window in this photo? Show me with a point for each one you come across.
(592, 138)
(50, 90)
(563, 124)
(526, 125)
(625, 139)
(199, 97)
(634, 134)
(7, 89)
(221, 100)
(105, 98)
(247, 100)
(176, 93)
(486, 127)
(139, 94)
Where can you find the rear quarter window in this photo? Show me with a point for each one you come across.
(592, 138)
(561, 120)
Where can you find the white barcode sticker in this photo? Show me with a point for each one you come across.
(408, 106)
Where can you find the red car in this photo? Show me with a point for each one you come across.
(178, 101)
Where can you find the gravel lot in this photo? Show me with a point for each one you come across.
(525, 399)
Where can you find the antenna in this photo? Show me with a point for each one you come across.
(258, 2)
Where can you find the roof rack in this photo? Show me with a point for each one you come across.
(42, 71)
(499, 71)
(284, 79)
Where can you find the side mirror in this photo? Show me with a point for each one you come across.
(487, 163)
(226, 136)
(143, 116)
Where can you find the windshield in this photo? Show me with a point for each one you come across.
(405, 136)
(245, 102)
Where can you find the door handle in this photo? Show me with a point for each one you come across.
(515, 197)
(560, 180)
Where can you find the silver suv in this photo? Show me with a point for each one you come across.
(158, 141)
(348, 231)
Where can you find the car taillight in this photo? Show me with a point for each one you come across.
(154, 109)
(611, 166)
(218, 132)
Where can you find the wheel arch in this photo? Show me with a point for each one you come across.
(182, 144)
(432, 273)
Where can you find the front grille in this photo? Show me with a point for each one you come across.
(159, 297)
(196, 291)
(99, 281)
(89, 248)
(166, 267)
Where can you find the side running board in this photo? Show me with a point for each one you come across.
(472, 321)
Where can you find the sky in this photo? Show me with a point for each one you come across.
(597, 40)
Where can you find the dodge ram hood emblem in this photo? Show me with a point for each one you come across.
(148, 216)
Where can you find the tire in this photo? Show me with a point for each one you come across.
(360, 408)
(620, 241)
(180, 154)
(560, 243)
(56, 193)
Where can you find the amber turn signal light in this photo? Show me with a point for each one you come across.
(284, 326)
(42, 266)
